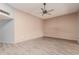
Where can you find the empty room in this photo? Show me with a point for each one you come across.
(39, 28)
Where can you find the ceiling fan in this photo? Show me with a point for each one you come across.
(44, 11)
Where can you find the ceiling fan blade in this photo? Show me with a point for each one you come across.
(42, 9)
(51, 10)
(49, 14)
(42, 14)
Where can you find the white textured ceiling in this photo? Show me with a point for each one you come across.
(35, 8)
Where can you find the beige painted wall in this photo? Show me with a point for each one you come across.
(77, 27)
(27, 26)
(61, 27)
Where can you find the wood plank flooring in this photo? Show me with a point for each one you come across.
(41, 46)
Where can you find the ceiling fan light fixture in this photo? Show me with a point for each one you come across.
(44, 11)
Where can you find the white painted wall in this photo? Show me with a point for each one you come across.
(7, 25)
(61, 27)
(7, 32)
(27, 26)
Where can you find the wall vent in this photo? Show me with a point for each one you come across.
(4, 12)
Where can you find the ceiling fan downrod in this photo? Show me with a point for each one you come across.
(44, 5)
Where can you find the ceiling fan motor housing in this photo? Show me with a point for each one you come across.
(45, 11)
(44, 3)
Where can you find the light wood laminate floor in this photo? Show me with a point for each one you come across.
(41, 46)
